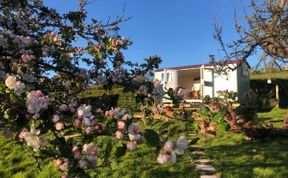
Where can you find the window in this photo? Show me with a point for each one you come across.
(162, 77)
(167, 77)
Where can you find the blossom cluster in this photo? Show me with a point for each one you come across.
(119, 76)
(86, 121)
(59, 125)
(52, 38)
(62, 164)
(232, 117)
(207, 128)
(35, 103)
(87, 156)
(116, 113)
(170, 150)
(156, 93)
(13, 84)
(214, 106)
(32, 138)
(133, 130)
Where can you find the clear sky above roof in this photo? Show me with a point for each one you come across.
(180, 31)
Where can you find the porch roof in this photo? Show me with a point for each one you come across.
(198, 65)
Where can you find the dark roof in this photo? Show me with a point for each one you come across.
(199, 65)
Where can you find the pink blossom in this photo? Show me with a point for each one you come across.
(89, 130)
(56, 118)
(133, 128)
(12, 83)
(90, 149)
(82, 163)
(84, 111)
(163, 158)
(114, 112)
(143, 90)
(233, 121)
(120, 125)
(75, 149)
(227, 118)
(63, 107)
(97, 127)
(33, 139)
(58, 163)
(125, 117)
(27, 58)
(182, 142)
(233, 114)
(36, 102)
(65, 164)
(36, 116)
(59, 126)
(140, 140)
(119, 135)
(131, 146)
(89, 121)
(78, 123)
(134, 137)
(78, 155)
(99, 110)
(64, 176)
(168, 146)
(22, 133)
(203, 131)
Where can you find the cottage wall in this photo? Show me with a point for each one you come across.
(226, 82)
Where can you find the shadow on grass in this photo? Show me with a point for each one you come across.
(268, 158)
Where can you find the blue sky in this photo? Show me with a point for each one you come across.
(180, 31)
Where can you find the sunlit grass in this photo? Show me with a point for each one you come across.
(236, 157)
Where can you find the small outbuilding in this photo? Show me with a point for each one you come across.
(200, 80)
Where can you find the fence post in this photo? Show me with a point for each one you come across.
(277, 94)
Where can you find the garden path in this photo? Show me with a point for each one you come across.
(204, 165)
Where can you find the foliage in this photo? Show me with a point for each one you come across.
(218, 114)
(105, 99)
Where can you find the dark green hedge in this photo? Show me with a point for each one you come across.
(116, 97)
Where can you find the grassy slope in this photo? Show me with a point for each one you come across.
(235, 157)
(16, 163)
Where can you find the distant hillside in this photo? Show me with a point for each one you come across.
(265, 76)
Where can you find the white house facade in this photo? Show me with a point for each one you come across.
(197, 81)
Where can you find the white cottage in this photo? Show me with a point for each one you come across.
(199, 80)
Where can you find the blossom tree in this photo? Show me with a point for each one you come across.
(41, 77)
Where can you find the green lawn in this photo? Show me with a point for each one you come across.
(17, 163)
(232, 155)
(236, 157)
